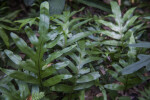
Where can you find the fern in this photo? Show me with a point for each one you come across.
(122, 29)
(144, 60)
(145, 94)
(7, 18)
(9, 92)
(127, 81)
(68, 26)
(38, 68)
(83, 76)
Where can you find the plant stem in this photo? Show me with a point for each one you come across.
(39, 61)
(126, 84)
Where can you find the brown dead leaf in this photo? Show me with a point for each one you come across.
(119, 2)
(29, 98)
(49, 64)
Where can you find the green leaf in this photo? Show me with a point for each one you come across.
(113, 35)
(88, 77)
(23, 46)
(74, 21)
(48, 71)
(62, 88)
(13, 15)
(87, 60)
(8, 94)
(8, 27)
(29, 65)
(75, 57)
(116, 11)
(116, 67)
(136, 66)
(112, 42)
(74, 12)
(132, 50)
(31, 35)
(44, 20)
(103, 91)
(113, 73)
(82, 95)
(15, 58)
(131, 31)
(61, 65)
(23, 22)
(142, 56)
(110, 24)
(4, 36)
(129, 23)
(6, 20)
(128, 14)
(54, 33)
(71, 65)
(23, 89)
(79, 36)
(123, 63)
(5, 80)
(79, 24)
(84, 71)
(20, 75)
(59, 22)
(59, 53)
(53, 43)
(83, 86)
(114, 86)
(142, 44)
(147, 17)
(92, 44)
(56, 79)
